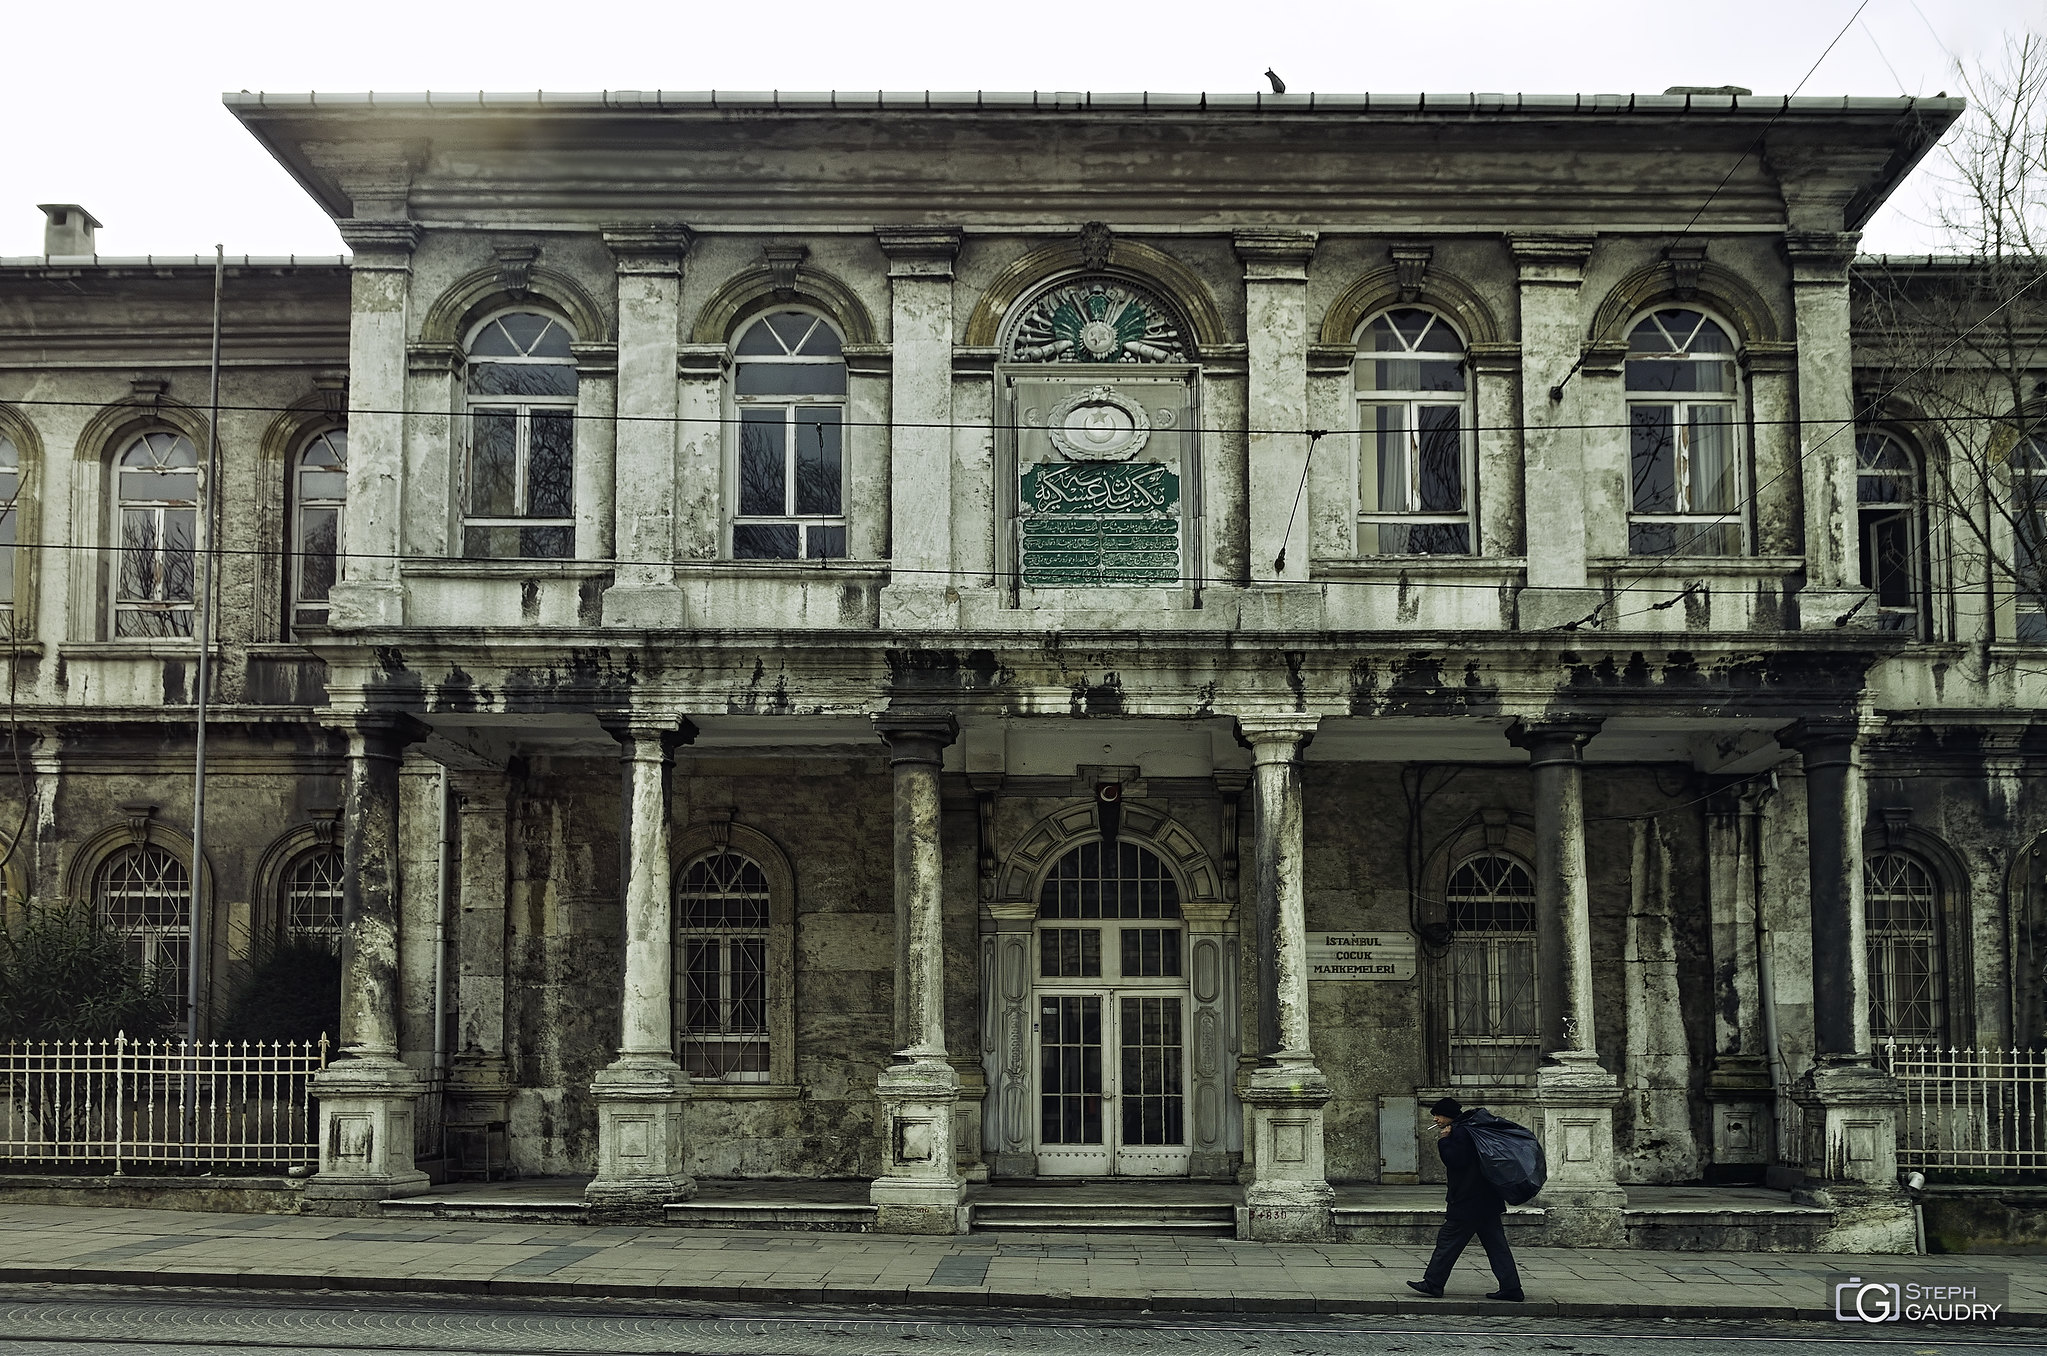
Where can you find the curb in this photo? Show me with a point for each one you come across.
(931, 1295)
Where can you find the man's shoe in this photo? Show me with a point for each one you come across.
(1433, 1292)
(1514, 1298)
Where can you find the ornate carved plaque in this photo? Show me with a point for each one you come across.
(1100, 320)
(1092, 523)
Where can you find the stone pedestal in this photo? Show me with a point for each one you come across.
(366, 1109)
(1850, 1154)
(1288, 1197)
(1744, 1120)
(640, 1102)
(921, 1189)
(479, 1089)
(1582, 1199)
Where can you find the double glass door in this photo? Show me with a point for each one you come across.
(1112, 1083)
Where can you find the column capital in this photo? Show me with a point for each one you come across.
(658, 249)
(478, 791)
(383, 734)
(634, 730)
(1551, 256)
(1821, 256)
(1822, 739)
(1271, 254)
(916, 736)
(1276, 737)
(919, 251)
(376, 242)
(1550, 741)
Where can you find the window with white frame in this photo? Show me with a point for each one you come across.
(1901, 914)
(312, 899)
(722, 968)
(1892, 532)
(10, 516)
(143, 893)
(2029, 539)
(319, 490)
(1684, 449)
(1495, 1031)
(1414, 474)
(519, 495)
(156, 489)
(788, 471)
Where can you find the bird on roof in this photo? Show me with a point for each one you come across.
(1278, 85)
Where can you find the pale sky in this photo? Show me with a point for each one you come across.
(116, 104)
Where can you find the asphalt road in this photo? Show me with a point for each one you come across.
(70, 1320)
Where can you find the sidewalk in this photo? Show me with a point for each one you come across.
(84, 1244)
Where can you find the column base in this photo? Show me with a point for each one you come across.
(367, 1105)
(1851, 1125)
(1288, 1196)
(1744, 1121)
(640, 1102)
(1584, 1203)
(921, 1189)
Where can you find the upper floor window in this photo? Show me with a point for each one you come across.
(1892, 533)
(1901, 912)
(155, 518)
(312, 899)
(789, 473)
(10, 497)
(2029, 538)
(319, 490)
(143, 893)
(519, 499)
(1495, 1033)
(1414, 491)
(1684, 455)
(722, 968)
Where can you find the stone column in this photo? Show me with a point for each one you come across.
(1553, 482)
(479, 1082)
(1851, 1107)
(369, 592)
(644, 501)
(641, 1094)
(920, 593)
(921, 1189)
(1826, 427)
(1575, 1091)
(1276, 321)
(1288, 1194)
(1739, 1083)
(368, 1097)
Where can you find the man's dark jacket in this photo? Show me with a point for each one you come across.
(1471, 1195)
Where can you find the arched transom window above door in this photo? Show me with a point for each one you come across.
(1122, 882)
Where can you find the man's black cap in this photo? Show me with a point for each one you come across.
(1447, 1106)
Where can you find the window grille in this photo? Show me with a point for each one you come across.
(520, 495)
(1901, 913)
(312, 900)
(1684, 454)
(723, 906)
(155, 516)
(144, 894)
(789, 383)
(1125, 881)
(1495, 1031)
(320, 491)
(1414, 486)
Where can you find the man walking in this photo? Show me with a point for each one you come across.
(1475, 1207)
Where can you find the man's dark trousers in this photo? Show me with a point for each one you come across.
(1450, 1241)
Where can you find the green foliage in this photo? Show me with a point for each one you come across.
(290, 993)
(65, 976)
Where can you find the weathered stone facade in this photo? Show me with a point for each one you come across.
(752, 731)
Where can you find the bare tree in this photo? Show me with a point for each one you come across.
(1954, 348)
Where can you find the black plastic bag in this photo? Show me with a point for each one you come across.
(1508, 1154)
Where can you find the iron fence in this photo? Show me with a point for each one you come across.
(1980, 1110)
(126, 1103)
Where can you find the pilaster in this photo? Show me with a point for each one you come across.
(1009, 930)
(1551, 268)
(1738, 1083)
(368, 593)
(1826, 425)
(1276, 327)
(921, 594)
(649, 268)
(479, 1083)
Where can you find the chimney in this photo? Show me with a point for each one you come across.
(68, 230)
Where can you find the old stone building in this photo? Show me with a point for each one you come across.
(941, 639)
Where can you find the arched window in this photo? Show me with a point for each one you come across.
(1901, 913)
(319, 490)
(10, 496)
(2029, 533)
(1684, 454)
(722, 969)
(143, 893)
(788, 470)
(312, 899)
(1495, 1025)
(519, 500)
(155, 517)
(1414, 489)
(1892, 531)
(1126, 881)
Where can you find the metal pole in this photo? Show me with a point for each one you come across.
(202, 626)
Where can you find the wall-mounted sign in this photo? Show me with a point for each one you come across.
(1361, 955)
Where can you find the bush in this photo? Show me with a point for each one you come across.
(292, 992)
(65, 976)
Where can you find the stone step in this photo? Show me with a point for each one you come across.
(1417, 1227)
(828, 1219)
(532, 1211)
(1104, 1218)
